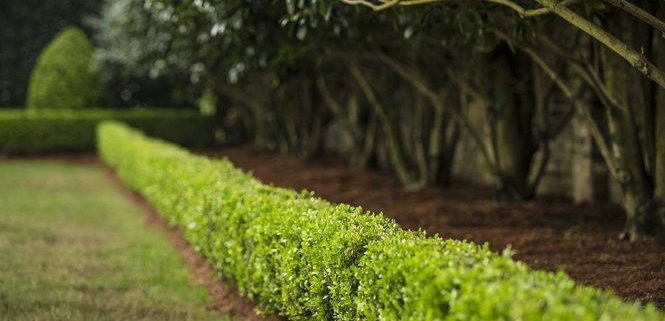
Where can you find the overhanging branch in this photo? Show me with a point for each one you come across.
(561, 9)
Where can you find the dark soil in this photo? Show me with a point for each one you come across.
(225, 297)
(581, 240)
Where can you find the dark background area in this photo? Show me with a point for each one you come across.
(25, 29)
(27, 26)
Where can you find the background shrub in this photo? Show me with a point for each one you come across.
(64, 75)
(40, 131)
(26, 27)
(307, 259)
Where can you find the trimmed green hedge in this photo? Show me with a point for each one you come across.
(40, 131)
(308, 259)
(63, 76)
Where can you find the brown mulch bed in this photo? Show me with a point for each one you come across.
(582, 240)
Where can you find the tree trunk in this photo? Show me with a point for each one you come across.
(631, 127)
(512, 134)
(640, 212)
(395, 148)
(635, 182)
(659, 175)
(451, 137)
(659, 128)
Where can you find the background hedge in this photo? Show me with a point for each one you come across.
(308, 259)
(38, 131)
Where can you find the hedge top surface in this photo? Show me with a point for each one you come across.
(63, 76)
(308, 259)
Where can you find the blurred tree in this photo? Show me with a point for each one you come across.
(396, 89)
(129, 48)
(626, 131)
(283, 61)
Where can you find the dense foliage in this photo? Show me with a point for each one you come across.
(396, 89)
(123, 34)
(73, 130)
(64, 76)
(308, 259)
(26, 27)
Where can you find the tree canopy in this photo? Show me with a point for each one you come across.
(396, 85)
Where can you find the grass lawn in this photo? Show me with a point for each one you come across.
(72, 247)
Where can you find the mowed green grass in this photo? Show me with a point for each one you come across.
(72, 247)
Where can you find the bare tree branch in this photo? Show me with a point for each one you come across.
(561, 9)
(640, 14)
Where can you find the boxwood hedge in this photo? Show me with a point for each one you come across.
(307, 259)
(64, 76)
(40, 131)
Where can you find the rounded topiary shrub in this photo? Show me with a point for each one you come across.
(63, 76)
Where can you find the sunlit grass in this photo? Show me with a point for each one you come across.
(73, 248)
